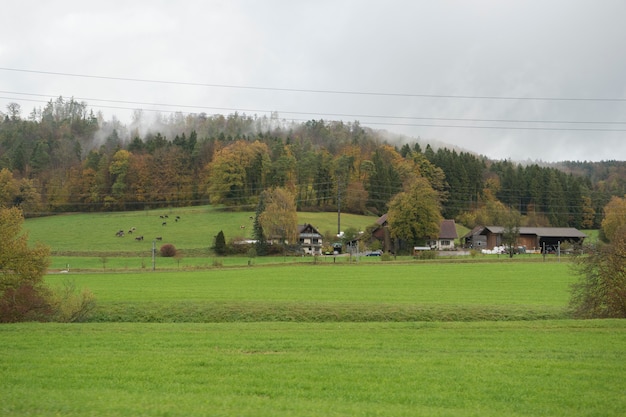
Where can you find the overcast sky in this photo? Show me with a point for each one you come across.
(492, 77)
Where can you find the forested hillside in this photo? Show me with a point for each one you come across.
(65, 158)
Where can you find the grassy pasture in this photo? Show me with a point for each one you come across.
(547, 368)
(287, 338)
(333, 292)
(94, 233)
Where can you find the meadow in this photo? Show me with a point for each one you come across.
(293, 336)
(333, 292)
(531, 368)
(94, 234)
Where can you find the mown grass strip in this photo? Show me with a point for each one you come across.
(219, 312)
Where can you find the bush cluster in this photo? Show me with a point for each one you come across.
(168, 250)
(65, 304)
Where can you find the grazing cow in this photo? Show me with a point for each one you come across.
(177, 217)
(139, 238)
(159, 238)
(119, 233)
(242, 227)
(161, 217)
(130, 232)
(163, 224)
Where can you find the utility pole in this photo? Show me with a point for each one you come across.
(338, 206)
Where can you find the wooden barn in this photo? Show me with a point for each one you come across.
(532, 238)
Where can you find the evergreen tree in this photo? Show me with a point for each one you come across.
(220, 244)
(257, 231)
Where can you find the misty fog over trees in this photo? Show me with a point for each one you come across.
(63, 158)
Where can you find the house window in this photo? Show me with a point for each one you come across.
(445, 243)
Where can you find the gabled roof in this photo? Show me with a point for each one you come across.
(477, 230)
(382, 220)
(307, 229)
(447, 230)
(567, 232)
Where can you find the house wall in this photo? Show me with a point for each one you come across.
(442, 244)
(478, 242)
(445, 244)
(530, 241)
(493, 240)
(311, 245)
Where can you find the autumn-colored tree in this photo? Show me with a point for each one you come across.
(237, 172)
(170, 177)
(600, 291)
(414, 215)
(141, 179)
(28, 197)
(118, 169)
(355, 198)
(588, 213)
(280, 219)
(8, 188)
(614, 217)
(23, 295)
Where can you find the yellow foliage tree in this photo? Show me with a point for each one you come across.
(279, 219)
(18, 262)
(23, 295)
(414, 214)
(614, 217)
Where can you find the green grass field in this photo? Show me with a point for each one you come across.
(94, 233)
(290, 336)
(538, 368)
(333, 292)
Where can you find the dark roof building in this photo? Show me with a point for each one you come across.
(310, 239)
(533, 238)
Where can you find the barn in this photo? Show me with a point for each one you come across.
(532, 238)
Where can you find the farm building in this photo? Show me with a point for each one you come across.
(445, 240)
(447, 235)
(532, 238)
(381, 233)
(310, 239)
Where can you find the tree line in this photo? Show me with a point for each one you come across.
(64, 157)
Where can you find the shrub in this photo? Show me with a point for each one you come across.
(426, 254)
(25, 303)
(72, 305)
(168, 250)
(600, 291)
(386, 257)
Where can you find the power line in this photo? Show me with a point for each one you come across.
(447, 119)
(367, 122)
(315, 91)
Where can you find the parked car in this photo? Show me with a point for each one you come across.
(374, 253)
